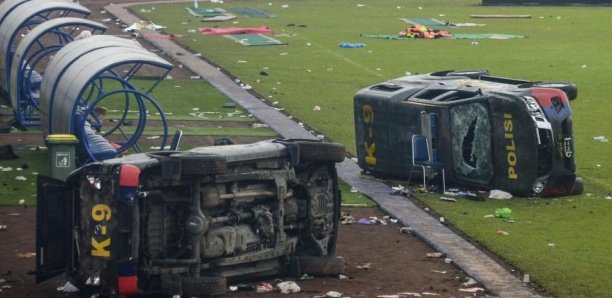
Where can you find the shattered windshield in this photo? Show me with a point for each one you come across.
(471, 142)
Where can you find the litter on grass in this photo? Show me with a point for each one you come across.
(448, 199)
(497, 194)
(503, 212)
(602, 139)
(348, 45)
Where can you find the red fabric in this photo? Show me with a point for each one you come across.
(127, 285)
(129, 176)
(235, 30)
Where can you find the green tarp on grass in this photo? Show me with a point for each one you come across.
(251, 12)
(205, 12)
(254, 39)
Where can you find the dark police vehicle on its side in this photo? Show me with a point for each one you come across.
(489, 132)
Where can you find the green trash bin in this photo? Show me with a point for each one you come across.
(62, 158)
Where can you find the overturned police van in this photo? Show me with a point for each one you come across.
(187, 223)
(488, 132)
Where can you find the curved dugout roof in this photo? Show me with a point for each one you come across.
(84, 71)
(61, 63)
(29, 14)
(27, 55)
(7, 6)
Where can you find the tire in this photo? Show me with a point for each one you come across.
(170, 285)
(578, 186)
(201, 164)
(204, 286)
(571, 91)
(318, 151)
(322, 266)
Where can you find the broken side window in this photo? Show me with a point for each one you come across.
(471, 142)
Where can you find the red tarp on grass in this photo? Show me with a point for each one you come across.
(235, 30)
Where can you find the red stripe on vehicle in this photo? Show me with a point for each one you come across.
(127, 285)
(129, 175)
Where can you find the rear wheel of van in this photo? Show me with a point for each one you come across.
(318, 151)
(578, 186)
(322, 266)
(204, 286)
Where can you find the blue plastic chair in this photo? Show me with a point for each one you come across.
(421, 159)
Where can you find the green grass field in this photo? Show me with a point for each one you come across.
(562, 243)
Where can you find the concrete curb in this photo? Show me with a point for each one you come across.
(466, 256)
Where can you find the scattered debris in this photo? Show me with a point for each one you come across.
(439, 271)
(609, 197)
(21, 202)
(316, 108)
(470, 282)
(333, 294)
(472, 290)
(500, 16)
(502, 233)
(68, 288)
(287, 287)
(412, 294)
(601, 139)
(448, 199)
(400, 190)
(503, 212)
(346, 219)
(26, 255)
(264, 287)
(3, 227)
(526, 278)
(407, 230)
(259, 125)
(434, 254)
(448, 260)
(343, 277)
(497, 194)
(364, 266)
(430, 294)
(306, 276)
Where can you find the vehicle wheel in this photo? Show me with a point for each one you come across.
(571, 91)
(578, 186)
(318, 151)
(201, 164)
(322, 266)
(170, 285)
(204, 286)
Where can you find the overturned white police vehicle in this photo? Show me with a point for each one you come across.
(187, 223)
(486, 131)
